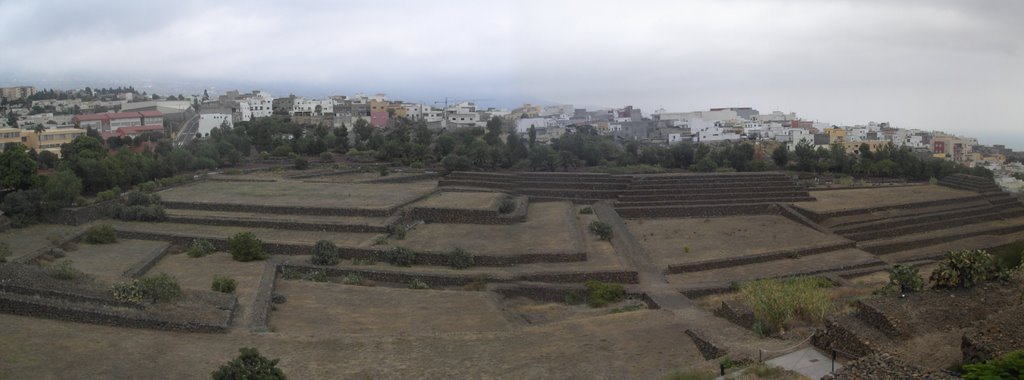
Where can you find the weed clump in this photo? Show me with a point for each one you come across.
(200, 248)
(601, 229)
(223, 284)
(101, 234)
(777, 302)
(325, 253)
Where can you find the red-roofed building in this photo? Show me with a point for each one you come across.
(111, 122)
(379, 118)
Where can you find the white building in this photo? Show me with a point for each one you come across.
(523, 125)
(209, 121)
(256, 105)
(312, 107)
(796, 135)
(564, 110)
(776, 116)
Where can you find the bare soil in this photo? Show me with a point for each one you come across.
(351, 239)
(29, 240)
(834, 200)
(297, 193)
(463, 200)
(667, 239)
(549, 228)
(198, 273)
(109, 261)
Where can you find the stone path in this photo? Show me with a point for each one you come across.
(739, 341)
(808, 362)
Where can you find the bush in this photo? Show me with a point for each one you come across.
(587, 210)
(325, 253)
(5, 252)
(507, 206)
(301, 163)
(200, 248)
(397, 231)
(352, 279)
(600, 294)
(161, 288)
(152, 213)
(136, 198)
(326, 157)
(63, 271)
(398, 256)
(281, 151)
(601, 229)
(128, 291)
(777, 302)
(964, 269)
(108, 195)
(101, 234)
(383, 170)
(249, 365)
(903, 279)
(224, 284)
(1008, 366)
(418, 284)
(245, 246)
(460, 259)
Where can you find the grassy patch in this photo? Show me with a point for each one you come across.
(779, 302)
(600, 294)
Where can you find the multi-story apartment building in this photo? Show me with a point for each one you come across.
(8, 136)
(13, 93)
(51, 139)
(111, 122)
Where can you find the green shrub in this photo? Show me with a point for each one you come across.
(281, 151)
(326, 157)
(352, 279)
(964, 269)
(507, 206)
(224, 284)
(903, 279)
(161, 288)
(301, 163)
(5, 252)
(325, 253)
(146, 186)
(101, 234)
(383, 170)
(1008, 366)
(249, 365)
(63, 271)
(933, 181)
(135, 198)
(108, 195)
(200, 248)
(128, 291)
(1009, 255)
(398, 256)
(601, 229)
(460, 258)
(245, 246)
(418, 284)
(777, 302)
(397, 231)
(587, 210)
(380, 240)
(151, 213)
(600, 294)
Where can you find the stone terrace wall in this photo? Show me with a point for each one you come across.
(884, 366)
(260, 315)
(558, 293)
(405, 178)
(708, 350)
(75, 216)
(996, 336)
(268, 209)
(836, 337)
(466, 216)
(758, 258)
(709, 211)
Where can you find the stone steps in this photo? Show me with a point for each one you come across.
(868, 219)
(882, 233)
(283, 222)
(684, 199)
(900, 221)
(930, 238)
(721, 279)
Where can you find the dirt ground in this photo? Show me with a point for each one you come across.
(833, 200)
(646, 344)
(666, 239)
(326, 309)
(463, 200)
(548, 228)
(351, 239)
(29, 240)
(198, 273)
(297, 193)
(108, 261)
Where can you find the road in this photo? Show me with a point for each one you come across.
(188, 132)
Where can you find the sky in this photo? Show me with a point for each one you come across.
(952, 65)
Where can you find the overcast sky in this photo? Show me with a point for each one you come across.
(949, 65)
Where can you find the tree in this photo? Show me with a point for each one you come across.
(493, 136)
(363, 130)
(206, 95)
(17, 169)
(61, 190)
(342, 144)
(781, 156)
(249, 365)
(533, 136)
(806, 157)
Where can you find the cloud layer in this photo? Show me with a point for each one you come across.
(952, 65)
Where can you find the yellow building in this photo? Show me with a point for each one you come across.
(9, 135)
(378, 106)
(51, 139)
(836, 135)
(398, 107)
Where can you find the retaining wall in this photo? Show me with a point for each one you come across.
(759, 258)
(75, 216)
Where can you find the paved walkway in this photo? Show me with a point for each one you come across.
(808, 362)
